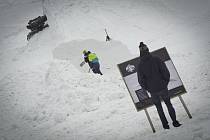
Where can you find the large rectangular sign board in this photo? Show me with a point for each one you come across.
(141, 98)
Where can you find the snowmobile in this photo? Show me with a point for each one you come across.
(36, 25)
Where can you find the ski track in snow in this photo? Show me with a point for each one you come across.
(45, 95)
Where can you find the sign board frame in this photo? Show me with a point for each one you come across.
(141, 99)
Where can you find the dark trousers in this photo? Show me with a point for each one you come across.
(156, 100)
(96, 68)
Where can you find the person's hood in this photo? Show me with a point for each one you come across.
(143, 49)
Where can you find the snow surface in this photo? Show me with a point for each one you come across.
(44, 95)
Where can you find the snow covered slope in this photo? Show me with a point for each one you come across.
(106, 51)
(44, 94)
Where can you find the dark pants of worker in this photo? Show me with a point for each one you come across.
(166, 98)
(96, 68)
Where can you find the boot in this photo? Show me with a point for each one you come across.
(176, 124)
(166, 126)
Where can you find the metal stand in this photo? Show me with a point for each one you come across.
(185, 107)
(150, 121)
(43, 11)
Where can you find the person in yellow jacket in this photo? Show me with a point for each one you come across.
(92, 61)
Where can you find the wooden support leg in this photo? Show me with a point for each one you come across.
(150, 121)
(185, 107)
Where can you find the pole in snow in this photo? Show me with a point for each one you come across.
(43, 11)
(107, 36)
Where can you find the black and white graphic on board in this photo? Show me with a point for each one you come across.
(140, 97)
(130, 68)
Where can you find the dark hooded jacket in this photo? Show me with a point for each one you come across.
(153, 75)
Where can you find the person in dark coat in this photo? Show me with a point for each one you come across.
(154, 76)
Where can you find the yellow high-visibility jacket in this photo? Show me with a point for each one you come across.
(92, 58)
